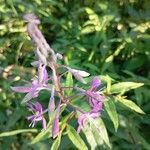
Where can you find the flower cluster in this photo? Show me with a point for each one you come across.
(47, 58)
(95, 100)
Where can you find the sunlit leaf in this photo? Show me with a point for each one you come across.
(56, 143)
(11, 133)
(17, 114)
(76, 139)
(124, 87)
(99, 130)
(111, 110)
(90, 137)
(43, 134)
(130, 104)
(69, 83)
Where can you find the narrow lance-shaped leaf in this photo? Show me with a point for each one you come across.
(111, 110)
(99, 126)
(27, 98)
(11, 133)
(144, 142)
(17, 114)
(124, 87)
(130, 104)
(69, 83)
(56, 143)
(90, 137)
(45, 134)
(76, 139)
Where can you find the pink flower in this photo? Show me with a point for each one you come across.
(36, 86)
(95, 100)
(96, 82)
(83, 118)
(37, 109)
(55, 127)
(94, 97)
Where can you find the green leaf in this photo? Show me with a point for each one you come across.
(45, 134)
(106, 78)
(69, 83)
(80, 47)
(41, 136)
(56, 143)
(99, 130)
(143, 141)
(89, 10)
(124, 86)
(134, 63)
(87, 30)
(90, 137)
(108, 63)
(17, 114)
(130, 104)
(111, 110)
(11, 133)
(76, 139)
(109, 59)
(96, 134)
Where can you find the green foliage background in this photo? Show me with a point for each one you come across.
(99, 36)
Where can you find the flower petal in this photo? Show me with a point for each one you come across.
(79, 78)
(55, 128)
(35, 63)
(38, 107)
(28, 97)
(41, 74)
(21, 89)
(81, 122)
(96, 82)
(81, 73)
(31, 117)
(44, 123)
(51, 105)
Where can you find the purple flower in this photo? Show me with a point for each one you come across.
(83, 118)
(42, 75)
(95, 100)
(96, 82)
(37, 36)
(37, 116)
(36, 86)
(94, 97)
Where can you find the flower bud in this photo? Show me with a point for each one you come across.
(55, 128)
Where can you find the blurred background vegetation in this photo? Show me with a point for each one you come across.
(101, 36)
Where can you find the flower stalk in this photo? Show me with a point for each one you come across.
(47, 58)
